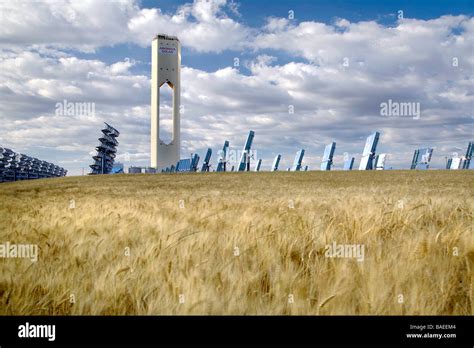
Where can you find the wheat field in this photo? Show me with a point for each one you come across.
(240, 243)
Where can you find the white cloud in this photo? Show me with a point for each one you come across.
(87, 25)
(202, 26)
(411, 61)
(83, 25)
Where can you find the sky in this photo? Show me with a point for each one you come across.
(301, 74)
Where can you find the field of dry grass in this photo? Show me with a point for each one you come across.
(248, 243)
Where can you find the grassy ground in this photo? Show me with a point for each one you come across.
(248, 243)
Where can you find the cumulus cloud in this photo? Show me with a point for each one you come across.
(203, 26)
(83, 25)
(87, 25)
(331, 91)
(39, 81)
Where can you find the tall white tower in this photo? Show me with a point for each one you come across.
(165, 68)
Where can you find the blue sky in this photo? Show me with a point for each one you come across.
(335, 62)
(254, 14)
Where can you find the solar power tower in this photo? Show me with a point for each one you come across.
(258, 165)
(106, 151)
(207, 159)
(421, 158)
(368, 156)
(326, 163)
(276, 163)
(165, 70)
(222, 164)
(467, 161)
(245, 159)
(298, 160)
